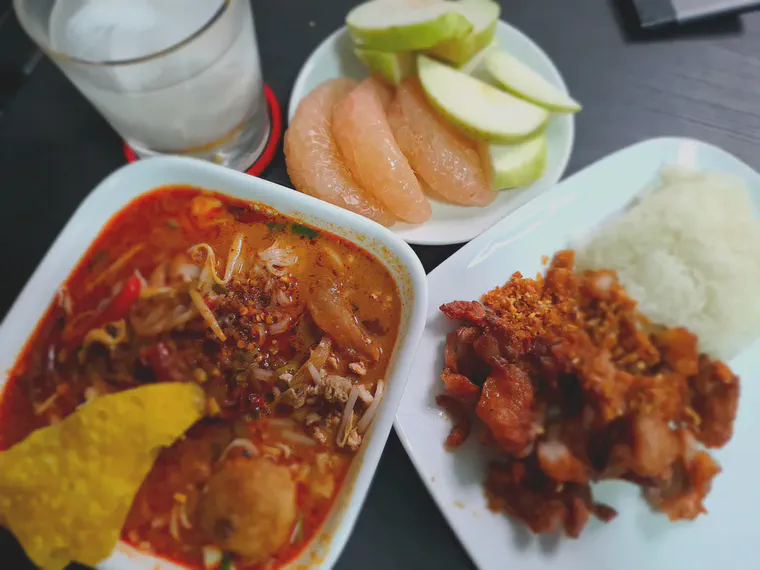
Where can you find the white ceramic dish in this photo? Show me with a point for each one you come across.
(727, 537)
(123, 186)
(334, 57)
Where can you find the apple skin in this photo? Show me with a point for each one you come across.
(439, 82)
(416, 36)
(393, 67)
(518, 79)
(460, 50)
(527, 171)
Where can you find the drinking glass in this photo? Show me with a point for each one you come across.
(170, 76)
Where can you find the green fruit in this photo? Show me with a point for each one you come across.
(479, 110)
(511, 166)
(402, 27)
(474, 65)
(391, 66)
(519, 79)
(483, 16)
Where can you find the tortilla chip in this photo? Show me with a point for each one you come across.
(66, 490)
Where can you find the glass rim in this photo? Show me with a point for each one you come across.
(46, 47)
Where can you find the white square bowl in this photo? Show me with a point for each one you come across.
(127, 183)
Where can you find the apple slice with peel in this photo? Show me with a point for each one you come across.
(483, 15)
(475, 65)
(479, 110)
(519, 79)
(391, 66)
(397, 26)
(511, 166)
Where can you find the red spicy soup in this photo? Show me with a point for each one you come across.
(289, 331)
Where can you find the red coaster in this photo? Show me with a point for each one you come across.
(275, 134)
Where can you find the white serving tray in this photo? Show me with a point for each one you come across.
(728, 538)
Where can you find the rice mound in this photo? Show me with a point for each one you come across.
(689, 252)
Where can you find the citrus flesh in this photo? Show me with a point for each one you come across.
(313, 160)
(366, 142)
(445, 159)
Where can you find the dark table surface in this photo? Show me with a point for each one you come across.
(702, 82)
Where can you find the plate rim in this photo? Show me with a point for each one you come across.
(526, 209)
(298, 92)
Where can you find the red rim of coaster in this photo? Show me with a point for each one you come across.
(275, 133)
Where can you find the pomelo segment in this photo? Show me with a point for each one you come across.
(446, 160)
(510, 166)
(519, 79)
(483, 15)
(479, 110)
(401, 130)
(397, 26)
(383, 91)
(366, 142)
(313, 160)
(393, 67)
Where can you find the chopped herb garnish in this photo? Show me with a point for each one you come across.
(226, 563)
(172, 223)
(100, 255)
(275, 227)
(306, 231)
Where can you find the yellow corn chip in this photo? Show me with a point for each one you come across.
(66, 489)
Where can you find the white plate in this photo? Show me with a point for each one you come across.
(335, 57)
(728, 537)
(130, 181)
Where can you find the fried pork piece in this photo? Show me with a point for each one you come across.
(458, 415)
(604, 385)
(580, 387)
(612, 322)
(679, 350)
(647, 449)
(665, 394)
(526, 493)
(681, 495)
(563, 453)
(506, 407)
(460, 357)
(558, 462)
(715, 399)
(459, 386)
(468, 311)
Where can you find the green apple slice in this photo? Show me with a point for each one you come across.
(475, 64)
(483, 15)
(519, 79)
(392, 66)
(511, 166)
(479, 110)
(401, 27)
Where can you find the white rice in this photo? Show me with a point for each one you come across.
(689, 252)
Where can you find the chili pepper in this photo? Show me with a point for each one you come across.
(158, 358)
(117, 308)
(257, 402)
(226, 562)
(123, 302)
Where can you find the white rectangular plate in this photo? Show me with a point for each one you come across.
(727, 537)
